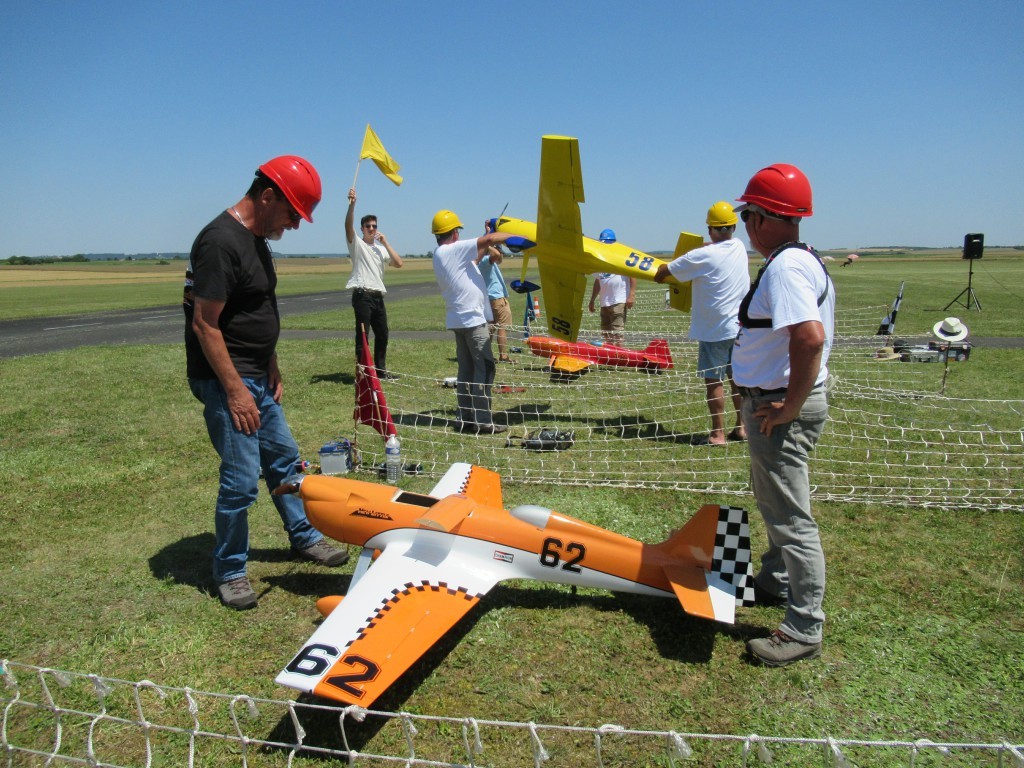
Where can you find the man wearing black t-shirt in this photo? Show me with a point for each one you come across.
(231, 331)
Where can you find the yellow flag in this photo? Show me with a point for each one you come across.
(374, 150)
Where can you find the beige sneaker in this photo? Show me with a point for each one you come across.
(323, 553)
(779, 649)
(237, 594)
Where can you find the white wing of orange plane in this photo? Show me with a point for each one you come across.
(440, 553)
(566, 258)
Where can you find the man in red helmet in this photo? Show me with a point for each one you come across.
(231, 331)
(780, 364)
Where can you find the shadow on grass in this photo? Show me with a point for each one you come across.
(188, 561)
(678, 636)
(332, 378)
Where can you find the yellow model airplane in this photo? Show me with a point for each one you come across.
(565, 257)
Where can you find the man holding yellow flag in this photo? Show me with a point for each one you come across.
(371, 253)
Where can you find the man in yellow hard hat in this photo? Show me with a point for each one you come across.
(720, 277)
(467, 312)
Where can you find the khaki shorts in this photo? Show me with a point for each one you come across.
(502, 312)
(613, 318)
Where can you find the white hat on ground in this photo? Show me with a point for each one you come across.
(950, 329)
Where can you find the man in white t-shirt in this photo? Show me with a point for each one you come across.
(720, 278)
(370, 253)
(467, 311)
(617, 295)
(780, 364)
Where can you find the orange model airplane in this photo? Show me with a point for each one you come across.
(428, 559)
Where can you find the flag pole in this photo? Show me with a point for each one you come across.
(360, 162)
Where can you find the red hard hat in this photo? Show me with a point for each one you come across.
(781, 189)
(299, 181)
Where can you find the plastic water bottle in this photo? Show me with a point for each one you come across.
(393, 459)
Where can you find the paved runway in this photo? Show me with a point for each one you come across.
(165, 325)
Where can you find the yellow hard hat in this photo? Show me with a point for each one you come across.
(445, 221)
(721, 214)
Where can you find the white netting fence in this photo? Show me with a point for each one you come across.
(55, 717)
(893, 436)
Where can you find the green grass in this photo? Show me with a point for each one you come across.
(106, 529)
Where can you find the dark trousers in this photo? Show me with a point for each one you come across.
(372, 315)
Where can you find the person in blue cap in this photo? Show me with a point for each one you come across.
(617, 294)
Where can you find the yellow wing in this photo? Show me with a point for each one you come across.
(564, 291)
(560, 193)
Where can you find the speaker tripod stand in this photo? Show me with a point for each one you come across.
(967, 292)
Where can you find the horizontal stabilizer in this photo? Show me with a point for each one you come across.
(680, 296)
(523, 286)
(714, 573)
(568, 364)
(691, 588)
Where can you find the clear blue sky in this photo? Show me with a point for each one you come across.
(126, 126)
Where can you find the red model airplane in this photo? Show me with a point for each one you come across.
(427, 559)
(574, 356)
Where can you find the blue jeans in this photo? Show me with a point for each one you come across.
(272, 449)
(794, 565)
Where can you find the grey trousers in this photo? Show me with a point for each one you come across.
(476, 374)
(794, 564)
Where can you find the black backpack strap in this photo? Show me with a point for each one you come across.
(765, 322)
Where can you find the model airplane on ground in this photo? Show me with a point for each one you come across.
(428, 559)
(565, 257)
(571, 357)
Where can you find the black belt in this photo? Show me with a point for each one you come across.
(367, 290)
(758, 392)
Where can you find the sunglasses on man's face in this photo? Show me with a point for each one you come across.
(369, 226)
(292, 213)
(745, 214)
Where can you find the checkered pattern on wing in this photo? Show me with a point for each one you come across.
(731, 557)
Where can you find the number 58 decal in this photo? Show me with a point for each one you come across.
(634, 260)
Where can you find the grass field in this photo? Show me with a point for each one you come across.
(105, 534)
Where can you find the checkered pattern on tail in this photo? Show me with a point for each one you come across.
(731, 558)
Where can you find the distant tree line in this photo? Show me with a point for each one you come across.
(77, 258)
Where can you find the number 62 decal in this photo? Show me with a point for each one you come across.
(553, 553)
(316, 659)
